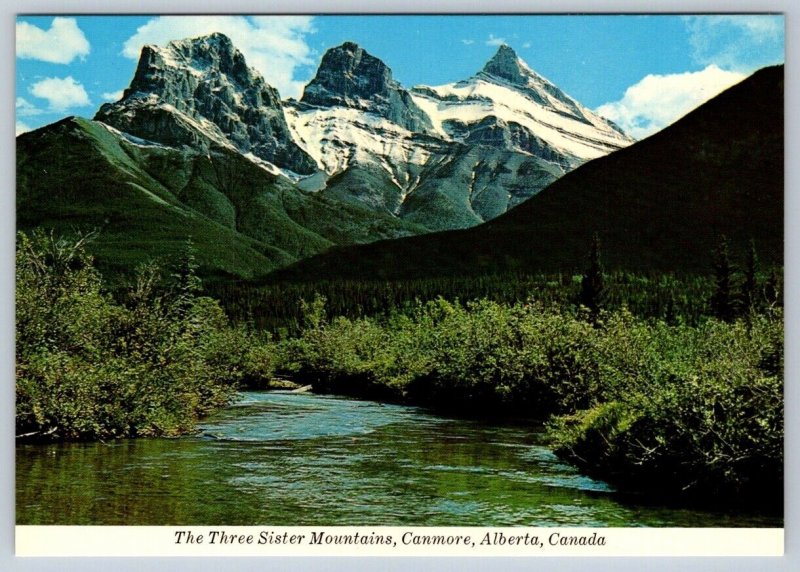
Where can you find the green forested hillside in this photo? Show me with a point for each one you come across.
(148, 200)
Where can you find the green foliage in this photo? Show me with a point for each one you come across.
(691, 411)
(274, 306)
(481, 354)
(92, 368)
(658, 396)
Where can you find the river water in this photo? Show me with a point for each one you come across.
(278, 458)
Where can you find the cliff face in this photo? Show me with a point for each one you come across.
(348, 76)
(199, 92)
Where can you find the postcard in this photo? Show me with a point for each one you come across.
(399, 285)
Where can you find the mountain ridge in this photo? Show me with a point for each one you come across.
(201, 133)
(507, 152)
(658, 205)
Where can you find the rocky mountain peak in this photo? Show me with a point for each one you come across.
(211, 58)
(216, 42)
(349, 72)
(213, 52)
(349, 76)
(198, 92)
(509, 70)
(506, 64)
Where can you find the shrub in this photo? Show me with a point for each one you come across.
(89, 367)
(702, 416)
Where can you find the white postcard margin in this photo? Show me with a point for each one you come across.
(310, 541)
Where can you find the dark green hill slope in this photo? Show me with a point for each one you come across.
(147, 200)
(658, 205)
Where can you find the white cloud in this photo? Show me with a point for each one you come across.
(61, 93)
(740, 42)
(493, 41)
(21, 128)
(61, 44)
(467, 42)
(659, 100)
(274, 45)
(25, 108)
(526, 45)
(112, 95)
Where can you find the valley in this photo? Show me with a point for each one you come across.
(485, 257)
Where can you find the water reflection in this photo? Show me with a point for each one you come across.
(298, 459)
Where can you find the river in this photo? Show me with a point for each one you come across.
(279, 458)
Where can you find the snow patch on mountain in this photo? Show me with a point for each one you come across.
(138, 141)
(471, 101)
(336, 137)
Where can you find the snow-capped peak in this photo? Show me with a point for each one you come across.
(507, 69)
(509, 90)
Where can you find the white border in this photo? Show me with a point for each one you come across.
(7, 209)
(70, 541)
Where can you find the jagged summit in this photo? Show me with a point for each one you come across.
(348, 73)
(199, 92)
(213, 41)
(349, 76)
(509, 68)
(508, 105)
(211, 52)
(507, 65)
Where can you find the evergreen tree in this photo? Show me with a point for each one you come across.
(186, 285)
(750, 299)
(592, 294)
(724, 301)
(773, 294)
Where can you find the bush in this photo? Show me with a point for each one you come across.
(89, 367)
(701, 416)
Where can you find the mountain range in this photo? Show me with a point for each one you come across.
(201, 147)
(364, 178)
(660, 205)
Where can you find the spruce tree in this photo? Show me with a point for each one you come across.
(772, 291)
(186, 285)
(593, 285)
(750, 299)
(724, 301)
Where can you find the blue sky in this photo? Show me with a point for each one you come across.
(641, 71)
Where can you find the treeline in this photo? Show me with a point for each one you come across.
(148, 363)
(276, 308)
(671, 409)
(677, 299)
